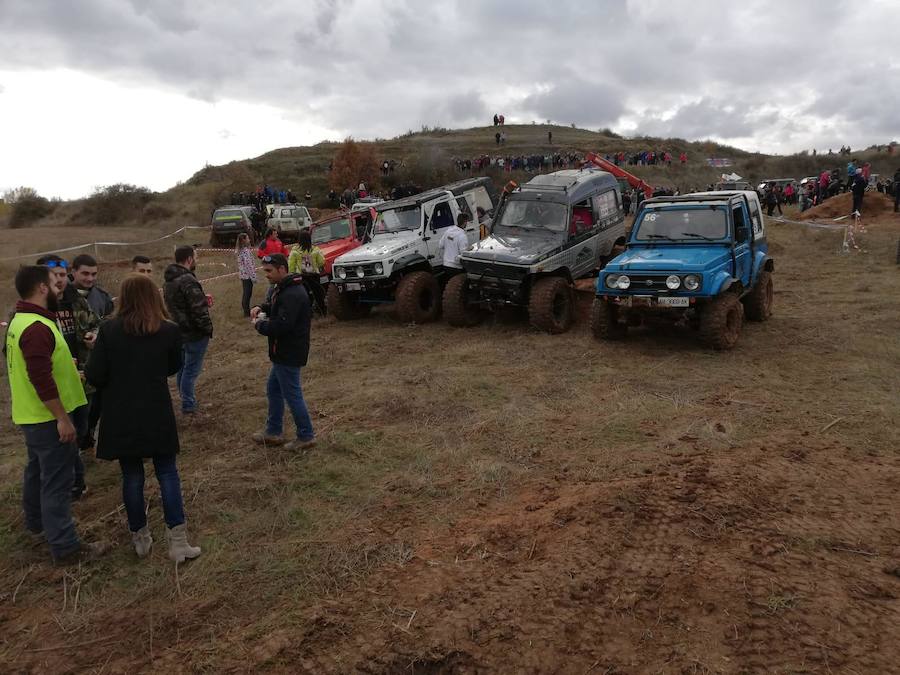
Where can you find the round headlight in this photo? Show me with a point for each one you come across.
(692, 282)
(612, 280)
(673, 282)
(623, 283)
(342, 272)
(360, 272)
(379, 268)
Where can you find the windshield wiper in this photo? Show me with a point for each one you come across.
(699, 236)
(658, 236)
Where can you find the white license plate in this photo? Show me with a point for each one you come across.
(323, 280)
(674, 302)
(353, 287)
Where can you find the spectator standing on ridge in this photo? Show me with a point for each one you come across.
(851, 174)
(45, 389)
(285, 321)
(550, 137)
(135, 352)
(78, 325)
(497, 138)
(189, 308)
(896, 189)
(141, 264)
(496, 119)
(859, 190)
(246, 270)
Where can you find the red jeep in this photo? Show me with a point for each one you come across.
(342, 232)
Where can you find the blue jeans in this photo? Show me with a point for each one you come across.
(47, 487)
(284, 387)
(169, 490)
(192, 354)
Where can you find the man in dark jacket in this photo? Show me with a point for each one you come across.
(285, 321)
(859, 190)
(896, 190)
(84, 274)
(189, 308)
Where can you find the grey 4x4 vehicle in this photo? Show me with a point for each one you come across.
(228, 222)
(553, 230)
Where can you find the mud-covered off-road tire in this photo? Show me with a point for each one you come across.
(418, 298)
(758, 302)
(345, 306)
(550, 307)
(721, 321)
(605, 324)
(456, 309)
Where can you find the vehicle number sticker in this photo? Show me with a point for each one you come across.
(674, 302)
(651, 217)
(353, 287)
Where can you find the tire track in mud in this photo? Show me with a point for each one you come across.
(701, 566)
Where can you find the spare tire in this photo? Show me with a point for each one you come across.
(550, 305)
(418, 298)
(457, 310)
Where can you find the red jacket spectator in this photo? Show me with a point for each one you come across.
(272, 244)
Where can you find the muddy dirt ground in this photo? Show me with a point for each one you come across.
(498, 500)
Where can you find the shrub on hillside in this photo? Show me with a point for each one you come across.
(26, 206)
(115, 204)
(354, 162)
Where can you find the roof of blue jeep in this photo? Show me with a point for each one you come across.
(704, 198)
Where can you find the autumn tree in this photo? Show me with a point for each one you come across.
(353, 162)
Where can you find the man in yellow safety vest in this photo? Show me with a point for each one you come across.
(45, 388)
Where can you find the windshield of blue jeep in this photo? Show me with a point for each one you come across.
(533, 215)
(396, 220)
(331, 231)
(699, 223)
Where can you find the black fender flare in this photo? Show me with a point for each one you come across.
(409, 260)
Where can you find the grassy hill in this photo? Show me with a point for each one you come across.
(426, 159)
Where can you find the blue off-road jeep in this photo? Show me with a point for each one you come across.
(700, 258)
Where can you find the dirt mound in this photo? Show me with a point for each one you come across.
(874, 204)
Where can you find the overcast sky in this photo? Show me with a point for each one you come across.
(94, 92)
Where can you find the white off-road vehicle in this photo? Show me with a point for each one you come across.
(402, 259)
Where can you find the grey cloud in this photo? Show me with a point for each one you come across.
(579, 101)
(379, 67)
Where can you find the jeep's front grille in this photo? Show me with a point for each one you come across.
(647, 282)
(497, 270)
(368, 268)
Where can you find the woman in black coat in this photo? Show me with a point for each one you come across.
(134, 354)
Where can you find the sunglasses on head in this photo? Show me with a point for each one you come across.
(56, 263)
(267, 259)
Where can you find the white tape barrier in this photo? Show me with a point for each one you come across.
(809, 223)
(105, 243)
